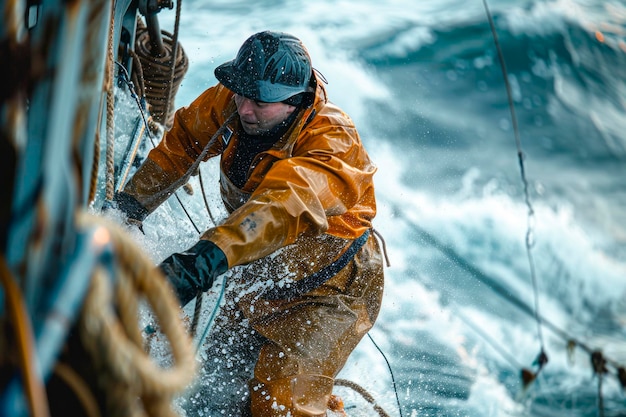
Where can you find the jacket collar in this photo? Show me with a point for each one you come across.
(284, 146)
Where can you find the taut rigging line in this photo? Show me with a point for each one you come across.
(542, 358)
(598, 360)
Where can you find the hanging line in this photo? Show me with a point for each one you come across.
(209, 324)
(173, 62)
(147, 129)
(599, 367)
(489, 340)
(393, 379)
(542, 358)
(206, 202)
(499, 289)
(138, 101)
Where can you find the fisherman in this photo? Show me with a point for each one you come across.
(305, 279)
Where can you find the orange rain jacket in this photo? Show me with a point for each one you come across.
(316, 181)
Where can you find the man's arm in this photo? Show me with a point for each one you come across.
(167, 166)
(330, 179)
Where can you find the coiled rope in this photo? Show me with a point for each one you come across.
(161, 85)
(110, 332)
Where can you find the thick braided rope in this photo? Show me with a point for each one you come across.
(110, 122)
(159, 85)
(115, 339)
(366, 395)
(93, 184)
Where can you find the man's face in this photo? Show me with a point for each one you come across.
(258, 117)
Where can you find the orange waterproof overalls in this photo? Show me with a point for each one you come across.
(305, 201)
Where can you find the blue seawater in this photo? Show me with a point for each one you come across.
(506, 235)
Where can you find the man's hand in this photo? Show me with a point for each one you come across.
(194, 270)
(132, 208)
(134, 212)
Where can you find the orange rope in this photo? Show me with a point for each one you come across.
(35, 391)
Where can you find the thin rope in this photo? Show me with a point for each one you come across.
(366, 395)
(393, 379)
(138, 74)
(197, 309)
(384, 245)
(145, 121)
(496, 346)
(173, 61)
(598, 363)
(542, 358)
(206, 202)
(187, 213)
(136, 97)
(600, 396)
(212, 317)
(95, 165)
(110, 123)
(506, 294)
(138, 102)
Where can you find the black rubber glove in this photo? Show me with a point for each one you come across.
(194, 270)
(133, 210)
(127, 204)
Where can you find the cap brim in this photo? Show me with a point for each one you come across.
(246, 86)
(228, 77)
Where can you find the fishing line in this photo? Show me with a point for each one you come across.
(212, 317)
(393, 379)
(542, 358)
(206, 202)
(135, 96)
(505, 293)
(181, 203)
(496, 346)
(196, 313)
(138, 102)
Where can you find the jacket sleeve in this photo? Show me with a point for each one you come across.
(329, 175)
(167, 166)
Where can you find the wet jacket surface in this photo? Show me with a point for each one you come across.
(305, 200)
(316, 179)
